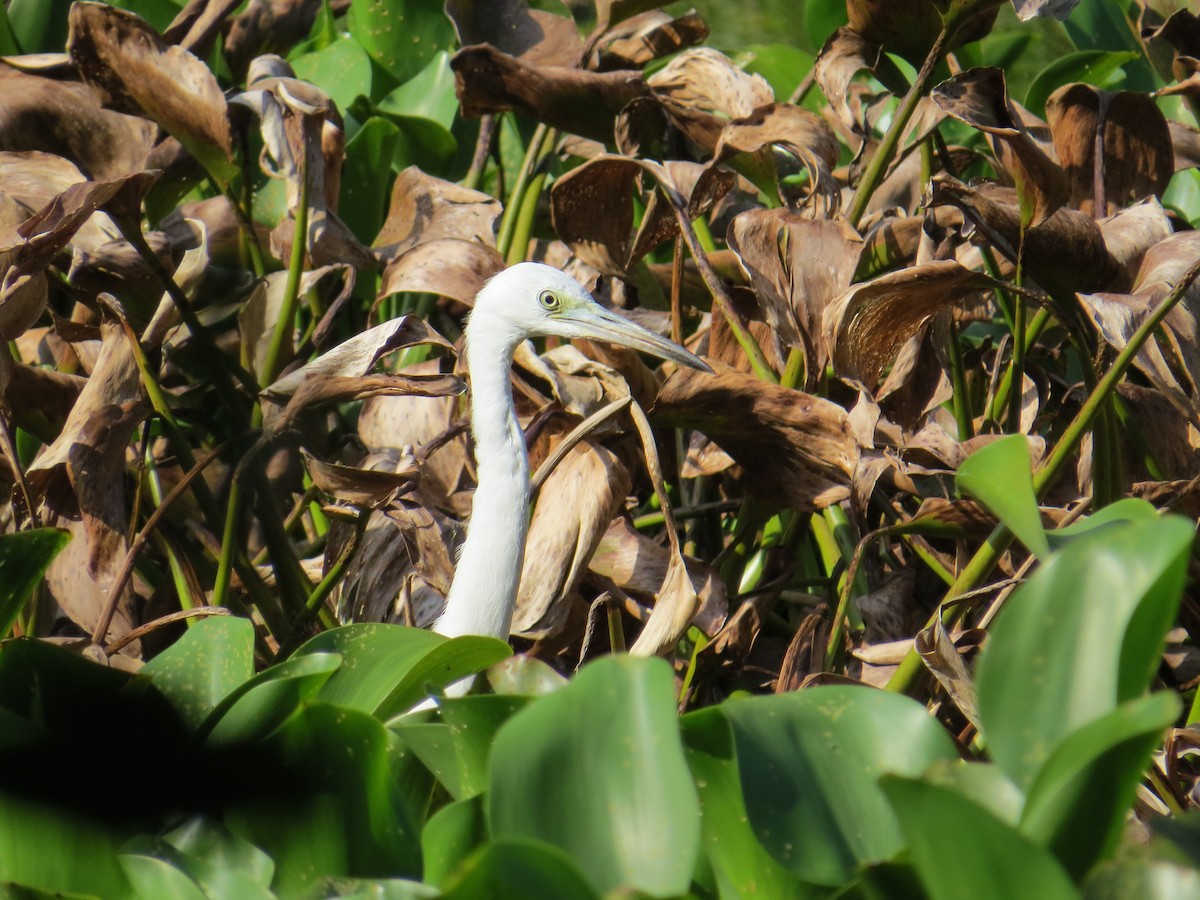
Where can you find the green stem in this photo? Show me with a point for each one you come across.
(963, 415)
(286, 322)
(523, 229)
(539, 144)
(1037, 325)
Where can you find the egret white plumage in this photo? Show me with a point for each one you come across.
(524, 301)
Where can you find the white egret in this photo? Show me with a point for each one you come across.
(524, 301)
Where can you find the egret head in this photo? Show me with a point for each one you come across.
(531, 299)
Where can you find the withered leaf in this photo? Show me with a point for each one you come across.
(797, 449)
(581, 496)
(592, 210)
(1066, 253)
(705, 80)
(868, 324)
(138, 71)
(445, 266)
(1130, 233)
(424, 208)
(366, 487)
(979, 97)
(1138, 156)
(909, 27)
(645, 37)
(844, 55)
(701, 186)
(581, 102)
(534, 36)
(798, 266)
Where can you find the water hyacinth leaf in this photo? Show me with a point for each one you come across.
(449, 837)
(616, 720)
(24, 558)
(260, 705)
(343, 70)
(221, 861)
(388, 666)
(954, 842)
(155, 877)
(208, 663)
(401, 37)
(646, 37)
(740, 864)
(1128, 509)
(424, 208)
(1096, 67)
(1075, 805)
(346, 815)
(446, 266)
(999, 476)
(426, 105)
(514, 869)
(1147, 879)
(1052, 666)
(456, 749)
(533, 35)
(809, 764)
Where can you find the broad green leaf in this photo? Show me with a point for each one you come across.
(341, 812)
(1083, 635)
(155, 877)
(1129, 509)
(401, 36)
(998, 475)
(983, 783)
(456, 749)
(783, 65)
(1145, 879)
(24, 558)
(387, 667)
(450, 836)
(1077, 803)
(208, 663)
(366, 176)
(1183, 833)
(52, 849)
(379, 889)
(342, 70)
(424, 109)
(522, 674)
(960, 849)
(518, 870)
(8, 40)
(741, 866)
(220, 861)
(1098, 68)
(809, 762)
(597, 769)
(264, 702)
(40, 26)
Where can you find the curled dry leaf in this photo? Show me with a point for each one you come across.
(1172, 365)
(797, 449)
(66, 119)
(138, 71)
(943, 659)
(704, 80)
(639, 565)
(868, 325)
(1137, 160)
(584, 103)
(533, 36)
(262, 309)
(581, 496)
(445, 266)
(646, 37)
(362, 486)
(700, 186)
(592, 210)
(424, 208)
(798, 266)
(910, 27)
(32, 180)
(1130, 233)
(1066, 253)
(979, 98)
(844, 55)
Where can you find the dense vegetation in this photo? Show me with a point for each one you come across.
(898, 603)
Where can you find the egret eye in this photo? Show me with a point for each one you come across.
(549, 300)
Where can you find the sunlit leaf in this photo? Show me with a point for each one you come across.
(998, 476)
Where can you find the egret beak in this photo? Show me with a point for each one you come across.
(597, 323)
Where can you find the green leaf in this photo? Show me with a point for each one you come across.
(450, 836)
(1145, 879)
(24, 558)
(51, 849)
(342, 813)
(1099, 68)
(598, 770)
(1083, 635)
(401, 36)
(366, 176)
(741, 866)
(522, 674)
(222, 863)
(208, 663)
(154, 877)
(424, 109)
(1078, 801)
(1183, 833)
(342, 70)
(40, 26)
(998, 475)
(1129, 509)
(264, 702)
(456, 749)
(782, 65)
(960, 849)
(809, 762)
(518, 870)
(388, 667)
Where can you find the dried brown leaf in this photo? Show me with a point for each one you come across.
(424, 208)
(445, 266)
(909, 27)
(584, 103)
(646, 37)
(592, 210)
(577, 501)
(1138, 156)
(365, 487)
(797, 450)
(534, 36)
